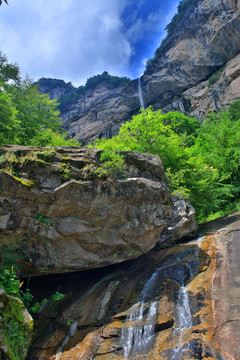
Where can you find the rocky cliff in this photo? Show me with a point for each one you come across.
(177, 303)
(61, 217)
(196, 71)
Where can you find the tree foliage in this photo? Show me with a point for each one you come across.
(201, 161)
(27, 117)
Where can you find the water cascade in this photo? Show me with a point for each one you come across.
(183, 316)
(138, 335)
(140, 93)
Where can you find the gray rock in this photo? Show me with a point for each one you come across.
(63, 218)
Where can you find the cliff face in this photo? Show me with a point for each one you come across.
(182, 77)
(177, 303)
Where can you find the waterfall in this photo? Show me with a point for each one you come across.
(140, 93)
(137, 336)
(184, 316)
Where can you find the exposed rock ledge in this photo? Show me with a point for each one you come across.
(62, 218)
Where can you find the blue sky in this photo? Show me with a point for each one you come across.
(76, 39)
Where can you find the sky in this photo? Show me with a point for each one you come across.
(73, 40)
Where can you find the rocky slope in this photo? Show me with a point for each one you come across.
(182, 77)
(57, 212)
(177, 303)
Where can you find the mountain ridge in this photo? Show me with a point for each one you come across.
(203, 42)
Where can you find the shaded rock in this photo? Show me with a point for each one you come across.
(105, 299)
(62, 217)
(211, 95)
(16, 327)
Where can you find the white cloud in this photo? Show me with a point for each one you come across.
(66, 39)
(72, 39)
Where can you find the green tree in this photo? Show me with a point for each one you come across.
(8, 71)
(8, 118)
(35, 112)
(201, 162)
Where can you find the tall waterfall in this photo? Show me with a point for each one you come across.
(140, 93)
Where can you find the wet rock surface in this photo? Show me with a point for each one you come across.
(61, 217)
(177, 303)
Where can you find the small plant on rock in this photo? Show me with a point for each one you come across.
(112, 164)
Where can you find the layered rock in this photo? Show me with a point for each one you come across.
(62, 217)
(204, 41)
(213, 94)
(186, 297)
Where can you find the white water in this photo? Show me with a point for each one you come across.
(140, 93)
(184, 317)
(138, 334)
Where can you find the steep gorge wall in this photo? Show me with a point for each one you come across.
(205, 40)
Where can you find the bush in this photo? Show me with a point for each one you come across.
(112, 165)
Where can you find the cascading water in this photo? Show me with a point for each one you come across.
(184, 317)
(139, 333)
(140, 93)
(137, 336)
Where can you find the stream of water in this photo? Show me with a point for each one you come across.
(140, 93)
(139, 334)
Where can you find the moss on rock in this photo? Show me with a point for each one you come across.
(16, 327)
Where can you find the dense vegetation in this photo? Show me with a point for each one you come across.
(27, 117)
(202, 162)
(183, 6)
(71, 93)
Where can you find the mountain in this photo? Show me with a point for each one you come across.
(195, 71)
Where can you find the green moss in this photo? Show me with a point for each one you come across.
(16, 331)
(66, 158)
(46, 155)
(65, 170)
(8, 161)
(23, 182)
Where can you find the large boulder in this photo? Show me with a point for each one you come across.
(61, 217)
